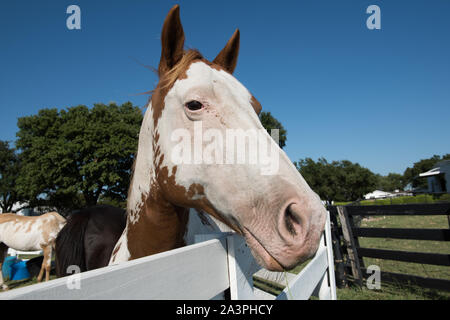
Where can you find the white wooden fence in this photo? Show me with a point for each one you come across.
(15, 253)
(200, 271)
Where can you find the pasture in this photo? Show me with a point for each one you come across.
(401, 291)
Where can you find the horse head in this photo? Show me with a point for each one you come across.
(202, 146)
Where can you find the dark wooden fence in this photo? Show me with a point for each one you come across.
(349, 254)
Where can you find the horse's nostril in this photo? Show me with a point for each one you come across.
(291, 220)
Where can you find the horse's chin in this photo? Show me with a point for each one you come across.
(261, 255)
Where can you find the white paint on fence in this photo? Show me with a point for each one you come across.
(200, 271)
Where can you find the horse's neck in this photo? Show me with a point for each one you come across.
(153, 224)
(144, 170)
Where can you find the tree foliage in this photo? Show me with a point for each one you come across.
(9, 172)
(73, 157)
(390, 182)
(338, 180)
(411, 173)
(269, 122)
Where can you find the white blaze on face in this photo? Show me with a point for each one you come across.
(227, 118)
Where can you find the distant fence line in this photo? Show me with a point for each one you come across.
(349, 254)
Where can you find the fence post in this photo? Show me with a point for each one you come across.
(341, 278)
(350, 243)
(330, 271)
(241, 264)
(326, 287)
(241, 267)
(351, 221)
(221, 236)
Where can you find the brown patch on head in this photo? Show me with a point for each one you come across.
(168, 79)
(178, 72)
(193, 197)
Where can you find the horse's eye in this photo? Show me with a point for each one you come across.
(194, 105)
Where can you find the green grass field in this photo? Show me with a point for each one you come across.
(391, 292)
(422, 222)
(402, 291)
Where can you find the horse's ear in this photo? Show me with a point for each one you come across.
(227, 58)
(172, 41)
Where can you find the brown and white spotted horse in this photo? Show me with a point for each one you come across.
(30, 234)
(279, 215)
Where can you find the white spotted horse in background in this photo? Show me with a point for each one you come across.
(30, 234)
(279, 215)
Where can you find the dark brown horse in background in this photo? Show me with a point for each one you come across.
(88, 238)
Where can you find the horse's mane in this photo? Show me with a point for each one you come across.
(69, 244)
(102, 224)
(168, 79)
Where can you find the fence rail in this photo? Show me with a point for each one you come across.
(400, 210)
(167, 275)
(346, 233)
(409, 234)
(405, 256)
(200, 271)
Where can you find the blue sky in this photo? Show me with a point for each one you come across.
(377, 97)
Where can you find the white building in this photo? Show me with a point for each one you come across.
(379, 194)
(438, 177)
